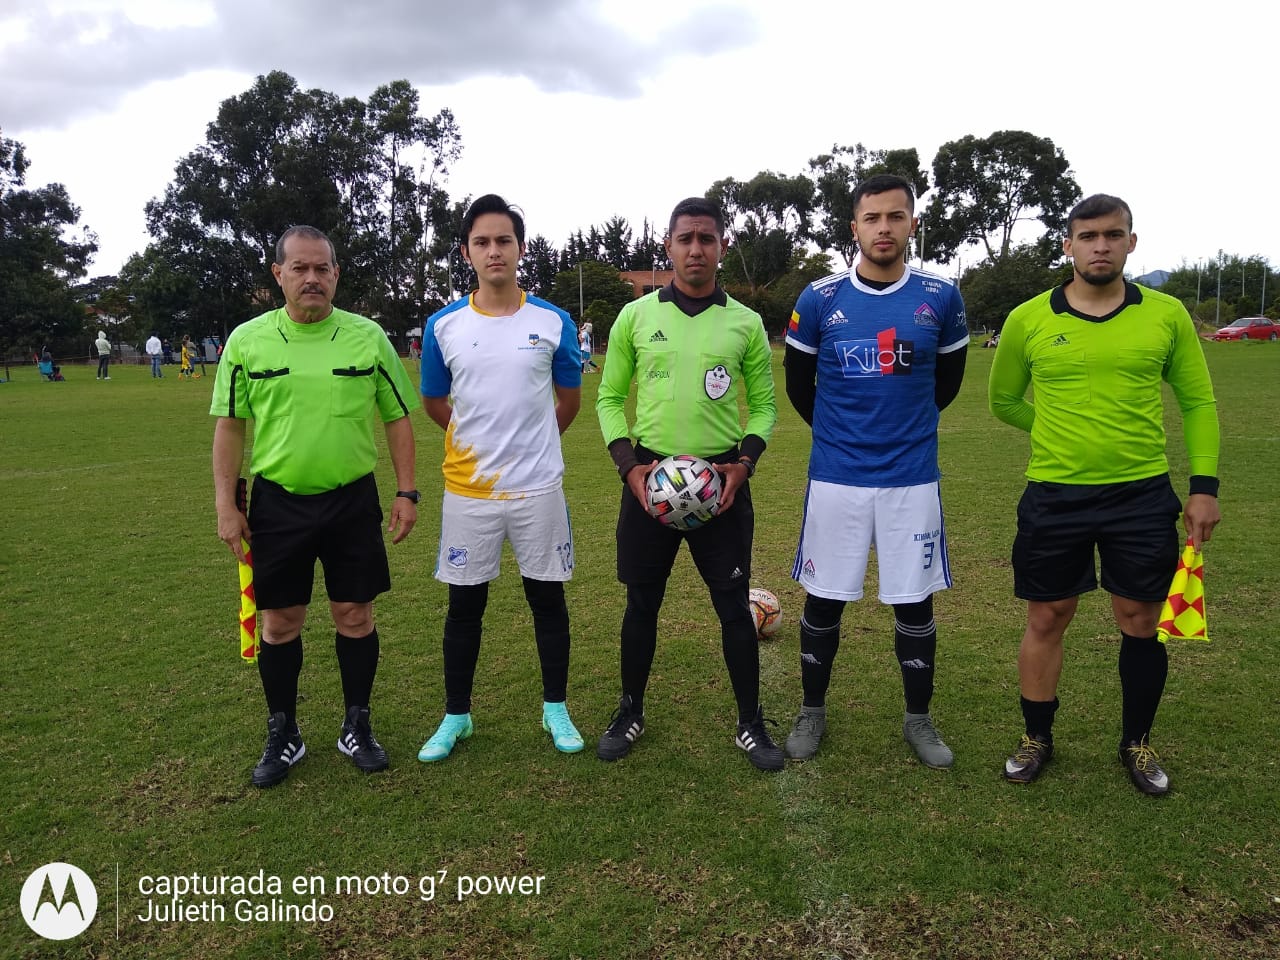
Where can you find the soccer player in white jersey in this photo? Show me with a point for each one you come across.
(873, 355)
(501, 375)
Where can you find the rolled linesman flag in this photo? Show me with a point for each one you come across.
(1183, 616)
(250, 634)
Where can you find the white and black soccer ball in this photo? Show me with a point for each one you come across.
(683, 492)
(766, 610)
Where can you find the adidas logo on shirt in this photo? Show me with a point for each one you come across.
(658, 338)
(837, 317)
(1060, 341)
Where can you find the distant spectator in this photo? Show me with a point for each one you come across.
(168, 351)
(103, 346)
(154, 350)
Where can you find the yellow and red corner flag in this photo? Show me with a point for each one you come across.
(250, 632)
(1183, 616)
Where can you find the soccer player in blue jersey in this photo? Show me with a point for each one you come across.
(873, 355)
(501, 376)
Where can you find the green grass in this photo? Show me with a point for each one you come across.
(131, 727)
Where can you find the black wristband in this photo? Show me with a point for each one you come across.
(749, 464)
(1201, 484)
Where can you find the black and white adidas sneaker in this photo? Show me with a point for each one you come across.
(284, 749)
(752, 737)
(358, 742)
(625, 727)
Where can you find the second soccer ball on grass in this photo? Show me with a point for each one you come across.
(766, 610)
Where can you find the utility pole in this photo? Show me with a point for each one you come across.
(1217, 309)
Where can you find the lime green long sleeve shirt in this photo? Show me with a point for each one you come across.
(1097, 414)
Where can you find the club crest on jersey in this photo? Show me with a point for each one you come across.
(533, 339)
(925, 317)
(457, 557)
(717, 382)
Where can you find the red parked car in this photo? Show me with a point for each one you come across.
(1249, 328)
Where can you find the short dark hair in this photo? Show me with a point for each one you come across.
(883, 183)
(308, 233)
(697, 207)
(492, 203)
(1098, 205)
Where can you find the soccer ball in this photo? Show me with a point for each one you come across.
(683, 492)
(767, 611)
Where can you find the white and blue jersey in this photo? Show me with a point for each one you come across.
(875, 421)
(503, 440)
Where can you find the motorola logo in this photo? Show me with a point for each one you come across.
(59, 901)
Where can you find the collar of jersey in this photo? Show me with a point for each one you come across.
(1058, 302)
(471, 299)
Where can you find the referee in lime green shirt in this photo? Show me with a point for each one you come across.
(1096, 350)
(693, 351)
(312, 377)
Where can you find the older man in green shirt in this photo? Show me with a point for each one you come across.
(312, 377)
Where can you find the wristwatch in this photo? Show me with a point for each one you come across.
(749, 464)
(413, 496)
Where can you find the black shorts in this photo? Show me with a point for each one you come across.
(721, 549)
(341, 528)
(1134, 526)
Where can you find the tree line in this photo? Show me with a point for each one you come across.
(373, 174)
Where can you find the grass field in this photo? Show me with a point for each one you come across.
(131, 728)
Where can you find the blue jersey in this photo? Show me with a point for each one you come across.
(875, 422)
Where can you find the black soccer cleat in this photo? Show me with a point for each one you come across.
(1143, 764)
(752, 737)
(358, 742)
(1028, 760)
(284, 749)
(625, 727)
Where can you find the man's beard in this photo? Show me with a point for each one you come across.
(885, 259)
(1102, 279)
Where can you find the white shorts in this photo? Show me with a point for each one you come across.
(472, 532)
(842, 524)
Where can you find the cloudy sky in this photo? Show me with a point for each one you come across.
(582, 109)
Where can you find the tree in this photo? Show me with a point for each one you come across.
(768, 220)
(615, 242)
(574, 289)
(986, 186)
(38, 261)
(995, 286)
(835, 181)
(539, 267)
(775, 303)
(1249, 287)
(648, 252)
(368, 174)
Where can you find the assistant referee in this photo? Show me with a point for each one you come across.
(311, 377)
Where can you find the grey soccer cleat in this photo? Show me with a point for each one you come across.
(918, 730)
(806, 732)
